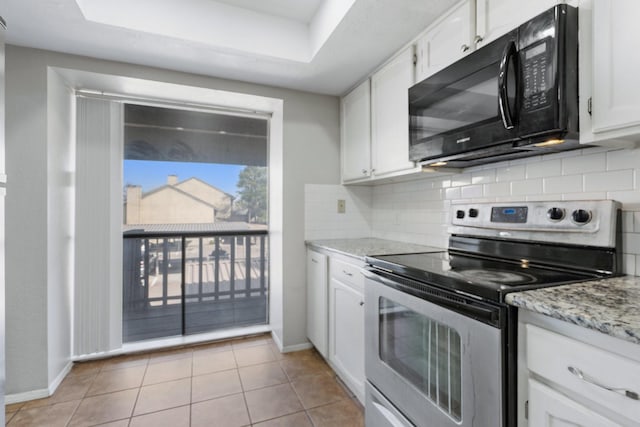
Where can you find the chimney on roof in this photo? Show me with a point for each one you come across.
(172, 179)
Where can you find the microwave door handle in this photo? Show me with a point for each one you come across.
(503, 91)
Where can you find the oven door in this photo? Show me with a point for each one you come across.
(430, 357)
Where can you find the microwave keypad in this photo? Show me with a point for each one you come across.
(535, 78)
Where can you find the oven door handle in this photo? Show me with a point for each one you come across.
(457, 302)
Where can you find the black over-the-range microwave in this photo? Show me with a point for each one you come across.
(515, 97)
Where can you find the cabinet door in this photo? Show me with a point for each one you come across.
(356, 133)
(446, 42)
(616, 65)
(497, 17)
(548, 408)
(390, 115)
(346, 347)
(317, 295)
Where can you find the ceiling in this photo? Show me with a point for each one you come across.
(322, 46)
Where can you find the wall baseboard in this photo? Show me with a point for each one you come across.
(290, 348)
(41, 393)
(27, 395)
(297, 347)
(61, 376)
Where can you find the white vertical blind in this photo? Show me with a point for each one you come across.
(98, 227)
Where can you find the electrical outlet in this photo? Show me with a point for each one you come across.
(342, 206)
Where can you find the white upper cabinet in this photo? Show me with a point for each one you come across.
(356, 133)
(609, 71)
(468, 26)
(495, 18)
(446, 41)
(390, 115)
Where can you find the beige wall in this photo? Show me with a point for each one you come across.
(168, 206)
(311, 155)
(219, 199)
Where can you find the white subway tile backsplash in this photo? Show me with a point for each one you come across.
(627, 220)
(584, 196)
(484, 176)
(471, 191)
(419, 211)
(629, 199)
(541, 197)
(584, 164)
(631, 243)
(629, 264)
(623, 159)
(543, 169)
(510, 173)
(461, 179)
(528, 187)
(563, 184)
(609, 181)
(498, 189)
(453, 193)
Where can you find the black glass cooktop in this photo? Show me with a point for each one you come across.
(484, 277)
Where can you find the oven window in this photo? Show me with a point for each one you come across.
(424, 352)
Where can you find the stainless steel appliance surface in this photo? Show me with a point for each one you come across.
(515, 97)
(440, 342)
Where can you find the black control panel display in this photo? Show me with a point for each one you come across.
(512, 214)
(536, 76)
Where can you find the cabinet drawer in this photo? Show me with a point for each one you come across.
(347, 273)
(562, 360)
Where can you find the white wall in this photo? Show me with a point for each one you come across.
(60, 201)
(418, 211)
(26, 224)
(311, 155)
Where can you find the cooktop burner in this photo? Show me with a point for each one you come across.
(484, 277)
(490, 276)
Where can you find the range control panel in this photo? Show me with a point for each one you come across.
(580, 222)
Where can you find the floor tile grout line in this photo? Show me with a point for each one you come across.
(133, 410)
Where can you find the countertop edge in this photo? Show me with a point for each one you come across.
(589, 310)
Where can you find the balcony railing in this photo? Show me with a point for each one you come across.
(184, 283)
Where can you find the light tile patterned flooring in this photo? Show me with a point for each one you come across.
(242, 382)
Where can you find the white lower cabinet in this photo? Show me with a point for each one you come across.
(346, 335)
(335, 314)
(548, 408)
(573, 376)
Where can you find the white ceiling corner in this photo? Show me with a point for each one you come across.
(323, 46)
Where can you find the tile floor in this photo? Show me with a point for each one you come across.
(242, 382)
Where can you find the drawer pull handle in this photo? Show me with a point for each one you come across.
(584, 377)
(347, 273)
(361, 303)
(313, 260)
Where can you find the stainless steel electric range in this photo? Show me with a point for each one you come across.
(440, 341)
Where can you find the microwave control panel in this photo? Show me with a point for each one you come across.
(537, 75)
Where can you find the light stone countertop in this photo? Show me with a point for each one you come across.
(610, 306)
(359, 248)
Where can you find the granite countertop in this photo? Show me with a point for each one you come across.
(359, 248)
(610, 306)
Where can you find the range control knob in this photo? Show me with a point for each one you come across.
(473, 213)
(555, 214)
(459, 214)
(581, 216)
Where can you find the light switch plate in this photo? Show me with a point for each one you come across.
(342, 206)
